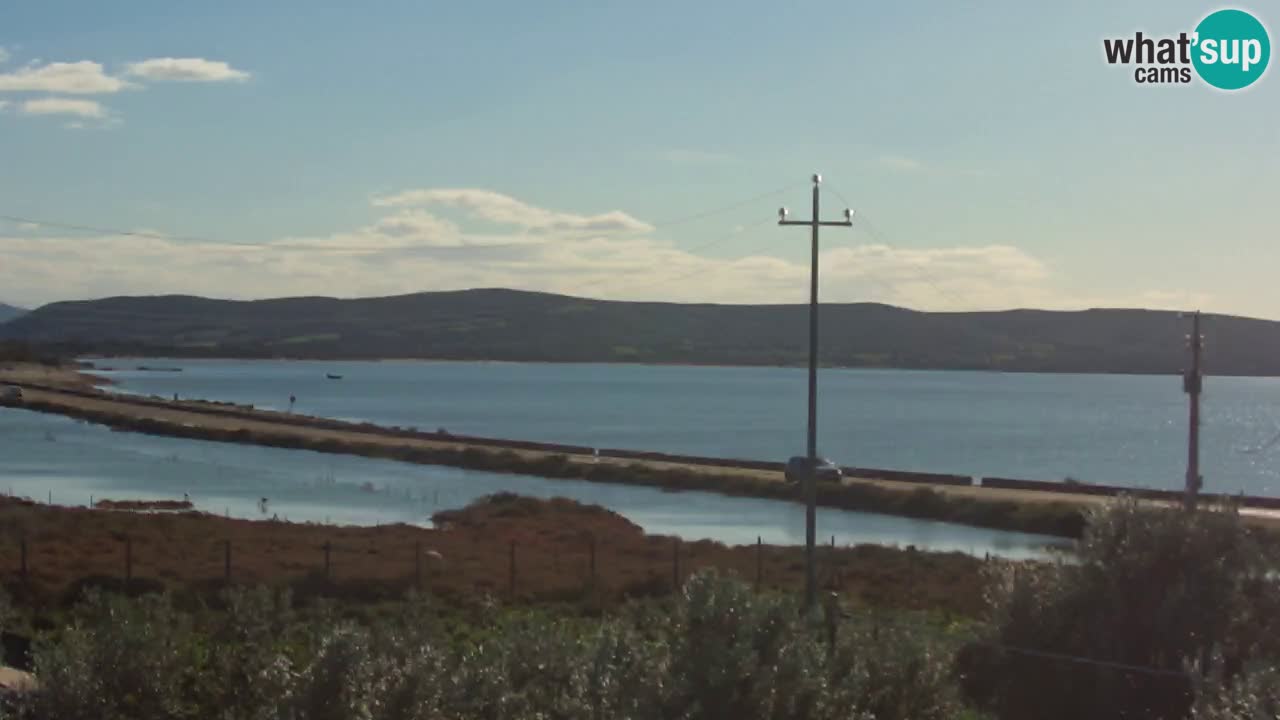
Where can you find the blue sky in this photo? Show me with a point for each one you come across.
(994, 158)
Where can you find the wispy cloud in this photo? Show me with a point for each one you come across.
(408, 249)
(505, 210)
(4, 55)
(63, 106)
(75, 78)
(170, 69)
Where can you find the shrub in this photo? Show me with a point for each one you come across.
(1151, 587)
(717, 651)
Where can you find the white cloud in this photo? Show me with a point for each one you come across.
(75, 78)
(4, 55)
(63, 106)
(505, 210)
(185, 70)
(407, 249)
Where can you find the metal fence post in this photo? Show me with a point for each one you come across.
(511, 579)
(675, 566)
(759, 563)
(417, 565)
(591, 566)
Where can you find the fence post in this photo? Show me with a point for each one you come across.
(23, 568)
(226, 561)
(591, 565)
(675, 566)
(759, 562)
(327, 547)
(50, 497)
(511, 579)
(128, 559)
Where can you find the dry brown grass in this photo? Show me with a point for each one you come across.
(68, 548)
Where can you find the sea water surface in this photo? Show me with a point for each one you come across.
(1116, 429)
(69, 462)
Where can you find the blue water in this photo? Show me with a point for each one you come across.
(1128, 430)
(53, 458)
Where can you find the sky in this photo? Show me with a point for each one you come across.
(635, 151)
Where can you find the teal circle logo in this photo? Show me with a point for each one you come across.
(1231, 49)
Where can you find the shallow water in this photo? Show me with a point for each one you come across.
(1126, 430)
(73, 462)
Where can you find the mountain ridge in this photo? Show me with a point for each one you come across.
(9, 312)
(516, 325)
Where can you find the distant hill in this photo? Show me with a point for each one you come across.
(9, 312)
(515, 325)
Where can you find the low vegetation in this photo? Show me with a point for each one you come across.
(468, 555)
(718, 651)
(1162, 614)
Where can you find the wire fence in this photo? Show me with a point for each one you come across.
(387, 562)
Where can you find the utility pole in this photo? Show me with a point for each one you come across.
(809, 481)
(1192, 383)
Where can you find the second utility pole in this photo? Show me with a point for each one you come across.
(810, 482)
(1192, 383)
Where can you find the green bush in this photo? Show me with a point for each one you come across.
(1150, 587)
(717, 651)
(1252, 695)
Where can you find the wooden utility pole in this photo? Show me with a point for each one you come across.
(1192, 383)
(809, 482)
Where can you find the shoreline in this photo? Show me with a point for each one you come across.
(798, 366)
(1041, 510)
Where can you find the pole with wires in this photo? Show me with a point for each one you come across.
(1192, 383)
(809, 480)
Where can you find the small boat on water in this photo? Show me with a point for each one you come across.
(331, 376)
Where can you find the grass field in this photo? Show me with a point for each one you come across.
(469, 556)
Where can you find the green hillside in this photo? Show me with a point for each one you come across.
(515, 325)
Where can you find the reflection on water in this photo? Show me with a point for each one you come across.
(1123, 430)
(77, 461)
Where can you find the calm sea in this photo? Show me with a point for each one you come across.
(1128, 430)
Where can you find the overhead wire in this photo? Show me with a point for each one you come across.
(724, 265)
(679, 220)
(927, 274)
(277, 246)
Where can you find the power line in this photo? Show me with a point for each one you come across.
(101, 230)
(870, 227)
(723, 208)
(919, 625)
(115, 231)
(260, 246)
(735, 233)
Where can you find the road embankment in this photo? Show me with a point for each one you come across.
(917, 495)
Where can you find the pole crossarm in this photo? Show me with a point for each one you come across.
(809, 481)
